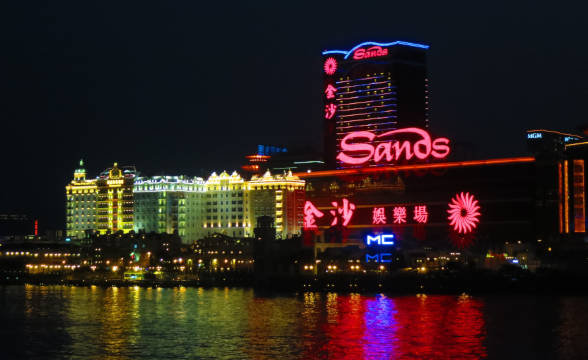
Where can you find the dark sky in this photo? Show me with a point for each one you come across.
(175, 87)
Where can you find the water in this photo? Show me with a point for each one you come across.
(60, 322)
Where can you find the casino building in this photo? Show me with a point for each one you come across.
(392, 192)
(374, 87)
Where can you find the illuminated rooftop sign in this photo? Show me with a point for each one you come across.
(534, 136)
(346, 53)
(362, 147)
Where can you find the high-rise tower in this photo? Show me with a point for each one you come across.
(374, 87)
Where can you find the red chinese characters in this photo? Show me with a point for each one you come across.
(310, 213)
(420, 214)
(399, 215)
(330, 91)
(378, 216)
(345, 211)
(358, 147)
(330, 110)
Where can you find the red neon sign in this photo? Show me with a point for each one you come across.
(421, 215)
(378, 216)
(330, 91)
(373, 51)
(346, 212)
(310, 212)
(463, 213)
(330, 66)
(357, 147)
(330, 110)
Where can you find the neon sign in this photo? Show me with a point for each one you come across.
(310, 212)
(534, 136)
(330, 66)
(358, 147)
(330, 110)
(330, 91)
(383, 239)
(346, 212)
(463, 213)
(373, 51)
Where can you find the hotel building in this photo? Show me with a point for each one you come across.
(376, 87)
(169, 204)
(80, 210)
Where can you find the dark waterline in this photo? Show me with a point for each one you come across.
(57, 322)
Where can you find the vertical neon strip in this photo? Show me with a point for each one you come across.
(579, 201)
(566, 201)
(559, 196)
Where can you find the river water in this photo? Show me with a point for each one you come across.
(63, 322)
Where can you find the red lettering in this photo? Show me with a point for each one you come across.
(370, 52)
(383, 149)
(356, 147)
(440, 148)
(346, 146)
(398, 149)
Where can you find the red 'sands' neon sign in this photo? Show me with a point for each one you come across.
(369, 52)
(360, 147)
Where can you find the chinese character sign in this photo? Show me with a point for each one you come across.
(399, 215)
(330, 110)
(330, 91)
(378, 216)
(345, 211)
(420, 214)
(310, 215)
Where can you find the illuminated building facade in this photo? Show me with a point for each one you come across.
(170, 204)
(225, 205)
(375, 87)
(80, 211)
(114, 200)
(280, 197)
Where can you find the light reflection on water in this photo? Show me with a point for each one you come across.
(186, 323)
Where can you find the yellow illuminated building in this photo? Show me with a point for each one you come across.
(280, 197)
(225, 205)
(80, 204)
(114, 200)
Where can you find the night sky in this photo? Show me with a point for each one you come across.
(182, 87)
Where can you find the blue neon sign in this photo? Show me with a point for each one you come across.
(382, 239)
(347, 53)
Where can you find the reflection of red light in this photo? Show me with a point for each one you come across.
(406, 327)
(463, 213)
(330, 66)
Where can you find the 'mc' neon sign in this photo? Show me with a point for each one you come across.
(383, 239)
(360, 147)
(379, 240)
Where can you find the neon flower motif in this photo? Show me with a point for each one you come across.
(399, 215)
(310, 212)
(346, 212)
(330, 110)
(420, 214)
(378, 216)
(330, 91)
(330, 66)
(463, 213)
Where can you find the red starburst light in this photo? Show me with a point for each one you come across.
(463, 213)
(330, 66)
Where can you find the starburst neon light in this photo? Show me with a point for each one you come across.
(330, 66)
(463, 213)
